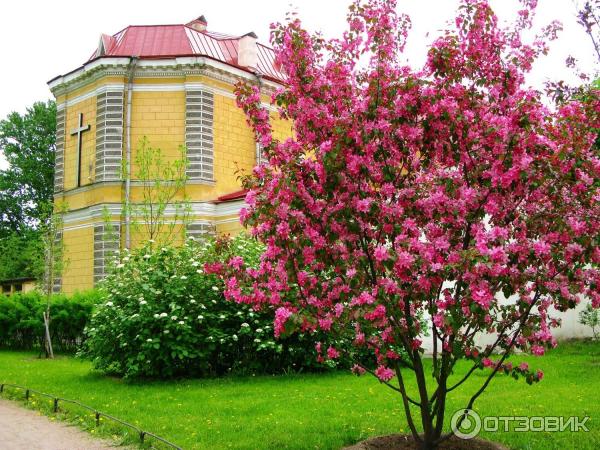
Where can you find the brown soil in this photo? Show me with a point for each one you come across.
(404, 442)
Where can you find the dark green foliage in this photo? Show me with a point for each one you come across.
(21, 255)
(26, 187)
(22, 324)
(27, 142)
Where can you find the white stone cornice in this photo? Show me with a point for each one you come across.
(172, 67)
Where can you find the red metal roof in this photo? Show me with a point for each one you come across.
(168, 41)
(151, 41)
(237, 195)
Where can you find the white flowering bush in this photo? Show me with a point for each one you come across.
(163, 316)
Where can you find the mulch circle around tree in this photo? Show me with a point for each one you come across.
(406, 442)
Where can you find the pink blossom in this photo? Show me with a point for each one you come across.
(541, 248)
(282, 314)
(359, 339)
(244, 215)
(358, 370)
(404, 260)
(377, 314)
(251, 198)
(325, 324)
(456, 172)
(332, 353)
(216, 268)
(488, 362)
(483, 297)
(380, 253)
(283, 229)
(236, 262)
(363, 205)
(537, 350)
(384, 373)
(364, 299)
(416, 343)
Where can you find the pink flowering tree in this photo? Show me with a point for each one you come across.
(451, 193)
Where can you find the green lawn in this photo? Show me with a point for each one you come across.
(312, 411)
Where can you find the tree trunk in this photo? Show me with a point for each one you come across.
(47, 340)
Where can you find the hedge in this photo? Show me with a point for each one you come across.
(22, 323)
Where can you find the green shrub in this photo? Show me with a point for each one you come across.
(22, 324)
(591, 317)
(162, 316)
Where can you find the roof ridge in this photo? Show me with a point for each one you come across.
(157, 25)
(211, 34)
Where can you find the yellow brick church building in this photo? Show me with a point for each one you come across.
(170, 84)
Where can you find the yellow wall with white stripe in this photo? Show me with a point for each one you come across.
(158, 114)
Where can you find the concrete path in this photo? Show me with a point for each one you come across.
(24, 429)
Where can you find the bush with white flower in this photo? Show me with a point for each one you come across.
(163, 316)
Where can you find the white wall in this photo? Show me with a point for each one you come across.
(570, 328)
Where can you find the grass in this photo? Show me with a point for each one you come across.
(319, 411)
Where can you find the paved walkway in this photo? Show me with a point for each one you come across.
(24, 429)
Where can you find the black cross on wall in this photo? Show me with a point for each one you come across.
(79, 131)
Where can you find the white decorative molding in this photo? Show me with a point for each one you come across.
(135, 183)
(228, 208)
(86, 225)
(173, 67)
(59, 166)
(97, 212)
(232, 220)
(154, 87)
(107, 242)
(199, 125)
(109, 134)
(197, 229)
(91, 94)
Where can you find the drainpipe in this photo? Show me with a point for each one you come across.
(132, 64)
(259, 81)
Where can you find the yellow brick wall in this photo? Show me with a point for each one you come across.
(282, 129)
(88, 146)
(78, 273)
(111, 193)
(234, 144)
(167, 234)
(231, 227)
(160, 116)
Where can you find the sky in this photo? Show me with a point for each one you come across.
(41, 39)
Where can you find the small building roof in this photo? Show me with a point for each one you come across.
(181, 40)
(237, 195)
(17, 280)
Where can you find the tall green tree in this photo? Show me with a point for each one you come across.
(21, 255)
(28, 143)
